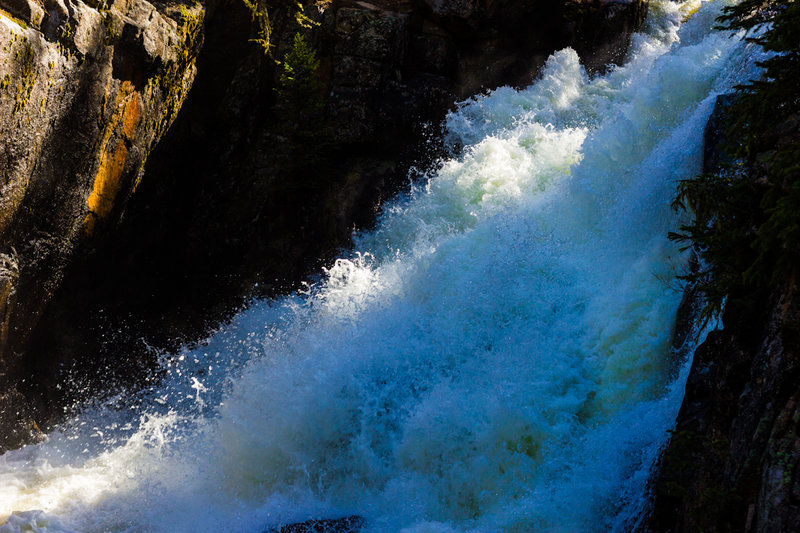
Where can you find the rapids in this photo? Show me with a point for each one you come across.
(494, 356)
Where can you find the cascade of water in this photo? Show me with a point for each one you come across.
(495, 358)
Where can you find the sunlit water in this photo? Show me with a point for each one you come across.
(495, 358)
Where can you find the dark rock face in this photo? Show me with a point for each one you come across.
(85, 93)
(404, 61)
(714, 137)
(245, 194)
(733, 462)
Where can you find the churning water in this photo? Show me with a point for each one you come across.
(495, 358)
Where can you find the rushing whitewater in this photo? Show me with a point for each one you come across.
(495, 357)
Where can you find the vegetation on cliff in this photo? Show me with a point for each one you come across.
(301, 117)
(259, 10)
(746, 228)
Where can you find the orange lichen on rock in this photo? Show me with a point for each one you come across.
(113, 159)
(130, 116)
(106, 184)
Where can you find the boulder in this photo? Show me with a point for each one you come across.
(85, 94)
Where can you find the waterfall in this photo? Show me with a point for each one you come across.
(494, 356)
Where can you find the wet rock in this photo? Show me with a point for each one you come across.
(457, 9)
(18, 421)
(606, 43)
(393, 65)
(348, 524)
(714, 137)
(9, 276)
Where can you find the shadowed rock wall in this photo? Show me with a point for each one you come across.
(86, 90)
(733, 461)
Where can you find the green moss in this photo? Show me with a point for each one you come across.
(27, 78)
(19, 21)
(192, 19)
(171, 80)
(65, 32)
(111, 33)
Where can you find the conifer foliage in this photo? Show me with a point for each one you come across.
(299, 86)
(746, 227)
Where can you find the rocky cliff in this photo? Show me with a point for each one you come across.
(118, 228)
(86, 91)
(733, 461)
